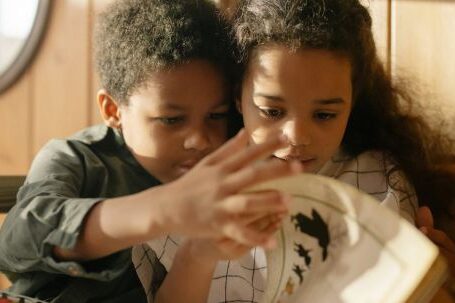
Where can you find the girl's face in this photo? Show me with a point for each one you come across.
(305, 95)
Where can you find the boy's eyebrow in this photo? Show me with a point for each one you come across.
(222, 105)
(272, 98)
(177, 107)
(329, 101)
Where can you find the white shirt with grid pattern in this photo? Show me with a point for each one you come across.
(244, 280)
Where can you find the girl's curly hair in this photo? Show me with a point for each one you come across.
(384, 115)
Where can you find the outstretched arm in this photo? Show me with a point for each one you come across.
(206, 202)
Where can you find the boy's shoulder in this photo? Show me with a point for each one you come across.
(89, 148)
(84, 142)
(91, 135)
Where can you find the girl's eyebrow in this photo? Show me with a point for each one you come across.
(329, 101)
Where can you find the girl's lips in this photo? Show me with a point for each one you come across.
(299, 159)
(308, 164)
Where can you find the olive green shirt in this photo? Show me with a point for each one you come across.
(67, 178)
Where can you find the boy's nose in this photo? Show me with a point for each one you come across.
(298, 133)
(197, 139)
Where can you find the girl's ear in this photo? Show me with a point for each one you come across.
(109, 109)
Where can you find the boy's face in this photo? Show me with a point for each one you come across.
(178, 118)
(305, 95)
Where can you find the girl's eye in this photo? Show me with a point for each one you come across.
(170, 120)
(271, 113)
(324, 116)
(218, 116)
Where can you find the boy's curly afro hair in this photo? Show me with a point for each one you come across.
(134, 38)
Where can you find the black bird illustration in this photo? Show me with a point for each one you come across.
(299, 272)
(304, 253)
(314, 227)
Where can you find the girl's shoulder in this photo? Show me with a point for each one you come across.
(367, 163)
(376, 173)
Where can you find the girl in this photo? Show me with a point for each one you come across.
(311, 73)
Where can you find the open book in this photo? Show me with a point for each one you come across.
(341, 245)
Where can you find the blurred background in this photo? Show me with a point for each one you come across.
(53, 95)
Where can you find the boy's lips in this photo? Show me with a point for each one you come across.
(188, 164)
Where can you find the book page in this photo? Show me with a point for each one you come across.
(341, 245)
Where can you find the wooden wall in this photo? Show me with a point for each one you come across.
(56, 95)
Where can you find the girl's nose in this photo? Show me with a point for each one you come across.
(298, 133)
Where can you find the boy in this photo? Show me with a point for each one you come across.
(88, 199)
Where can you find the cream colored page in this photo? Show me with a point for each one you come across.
(369, 255)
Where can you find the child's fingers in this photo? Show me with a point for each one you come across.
(246, 235)
(424, 217)
(269, 225)
(258, 233)
(259, 219)
(263, 171)
(233, 146)
(256, 203)
(253, 153)
(230, 244)
(440, 238)
(264, 222)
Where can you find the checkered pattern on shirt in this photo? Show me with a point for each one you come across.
(244, 280)
(241, 280)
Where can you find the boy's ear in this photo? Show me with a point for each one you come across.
(109, 109)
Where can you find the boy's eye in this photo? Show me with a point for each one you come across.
(170, 120)
(271, 113)
(218, 116)
(324, 116)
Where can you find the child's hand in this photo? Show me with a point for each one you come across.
(227, 249)
(208, 202)
(446, 245)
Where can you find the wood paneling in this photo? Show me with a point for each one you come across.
(61, 74)
(96, 7)
(15, 138)
(423, 47)
(380, 12)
